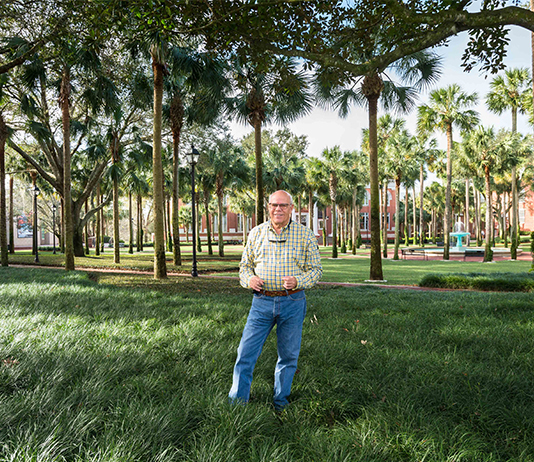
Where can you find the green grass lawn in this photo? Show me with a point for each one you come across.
(102, 367)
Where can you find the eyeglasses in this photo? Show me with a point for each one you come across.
(282, 206)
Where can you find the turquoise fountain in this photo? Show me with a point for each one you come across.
(459, 233)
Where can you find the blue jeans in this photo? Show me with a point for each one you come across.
(288, 314)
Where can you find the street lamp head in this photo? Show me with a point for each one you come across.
(36, 190)
(54, 208)
(193, 156)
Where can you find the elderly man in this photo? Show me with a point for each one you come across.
(280, 260)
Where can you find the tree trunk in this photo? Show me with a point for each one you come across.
(176, 251)
(139, 238)
(3, 230)
(397, 218)
(130, 224)
(86, 230)
(259, 173)
(160, 265)
(414, 218)
(447, 218)
(371, 88)
(11, 221)
(220, 236)
(488, 253)
(334, 230)
(116, 224)
(385, 219)
(466, 215)
(421, 214)
(310, 210)
(169, 225)
(198, 223)
(98, 236)
(208, 222)
(406, 209)
(67, 197)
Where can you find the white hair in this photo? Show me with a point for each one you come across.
(285, 192)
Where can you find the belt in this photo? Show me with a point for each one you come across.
(277, 293)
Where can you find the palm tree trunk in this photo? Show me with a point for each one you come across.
(116, 232)
(406, 205)
(11, 221)
(397, 218)
(130, 223)
(414, 218)
(447, 221)
(86, 228)
(176, 253)
(160, 266)
(375, 271)
(488, 254)
(421, 214)
(259, 172)
(334, 230)
(67, 197)
(220, 225)
(466, 214)
(208, 221)
(3, 231)
(244, 228)
(98, 236)
(385, 218)
(310, 209)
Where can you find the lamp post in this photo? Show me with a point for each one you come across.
(35, 192)
(193, 159)
(54, 208)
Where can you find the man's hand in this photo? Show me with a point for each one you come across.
(290, 282)
(255, 283)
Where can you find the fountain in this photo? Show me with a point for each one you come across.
(459, 233)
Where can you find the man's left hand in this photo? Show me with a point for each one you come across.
(290, 282)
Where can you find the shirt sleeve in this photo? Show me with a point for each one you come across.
(246, 266)
(312, 269)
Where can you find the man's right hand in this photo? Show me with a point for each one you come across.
(256, 283)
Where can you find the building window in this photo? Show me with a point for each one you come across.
(366, 199)
(239, 222)
(364, 221)
(522, 216)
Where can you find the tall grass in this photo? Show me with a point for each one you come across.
(108, 368)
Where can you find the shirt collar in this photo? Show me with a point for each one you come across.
(286, 227)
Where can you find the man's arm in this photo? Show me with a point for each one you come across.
(246, 266)
(313, 270)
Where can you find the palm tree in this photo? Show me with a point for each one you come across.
(197, 86)
(228, 165)
(278, 95)
(314, 182)
(492, 154)
(4, 132)
(447, 109)
(342, 89)
(511, 91)
(399, 161)
(157, 52)
(333, 161)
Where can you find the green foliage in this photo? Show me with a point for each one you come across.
(502, 282)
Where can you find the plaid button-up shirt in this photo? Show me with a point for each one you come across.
(271, 256)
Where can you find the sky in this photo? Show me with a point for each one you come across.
(324, 128)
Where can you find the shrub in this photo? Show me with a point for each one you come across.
(500, 282)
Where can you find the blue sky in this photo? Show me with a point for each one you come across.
(326, 129)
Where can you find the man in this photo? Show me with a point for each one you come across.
(280, 260)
